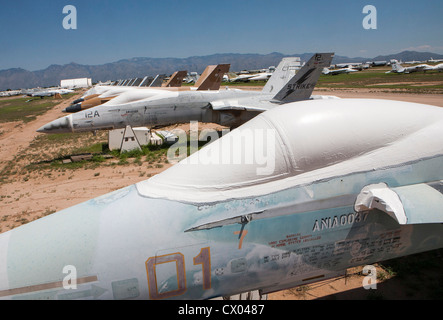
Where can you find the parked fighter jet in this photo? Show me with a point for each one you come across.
(315, 188)
(338, 71)
(435, 60)
(48, 92)
(263, 76)
(226, 107)
(210, 79)
(398, 68)
(438, 67)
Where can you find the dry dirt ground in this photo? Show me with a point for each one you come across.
(24, 198)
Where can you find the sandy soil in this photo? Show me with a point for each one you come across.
(26, 199)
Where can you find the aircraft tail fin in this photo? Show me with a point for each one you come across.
(146, 81)
(158, 80)
(285, 70)
(176, 79)
(396, 66)
(300, 87)
(212, 77)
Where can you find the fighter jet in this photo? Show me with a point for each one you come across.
(210, 79)
(398, 68)
(438, 67)
(338, 71)
(296, 195)
(263, 76)
(435, 60)
(48, 92)
(225, 107)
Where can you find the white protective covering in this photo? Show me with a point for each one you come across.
(303, 142)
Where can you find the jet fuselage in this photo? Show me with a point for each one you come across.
(345, 189)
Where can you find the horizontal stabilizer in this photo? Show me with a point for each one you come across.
(413, 204)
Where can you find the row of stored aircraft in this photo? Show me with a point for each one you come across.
(396, 68)
(322, 186)
(117, 107)
(37, 92)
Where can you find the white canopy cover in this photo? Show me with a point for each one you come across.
(301, 143)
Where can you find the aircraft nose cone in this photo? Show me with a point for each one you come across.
(73, 108)
(60, 125)
(78, 101)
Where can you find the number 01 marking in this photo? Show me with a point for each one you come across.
(203, 258)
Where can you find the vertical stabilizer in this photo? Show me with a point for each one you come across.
(144, 82)
(176, 79)
(158, 81)
(285, 70)
(396, 66)
(212, 77)
(300, 87)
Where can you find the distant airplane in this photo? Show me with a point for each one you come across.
(338, 71)
(191, 77)
(225, 107)
(433, 60)
(398, 68)
(241, 78)
(438, 67)
(378, 63)
(262, 76)
(296, 195)
(48, 92)
(11, 93)
(348, 65)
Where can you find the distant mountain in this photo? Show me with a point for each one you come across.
(409, 56)
(139, 67)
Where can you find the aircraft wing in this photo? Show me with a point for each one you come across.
(235, 104)
(255, 104)
(412, 204)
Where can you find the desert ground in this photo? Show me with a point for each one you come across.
(31, 189)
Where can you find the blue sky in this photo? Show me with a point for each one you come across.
(33, 36)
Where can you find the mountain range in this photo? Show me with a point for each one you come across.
(17, 78)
